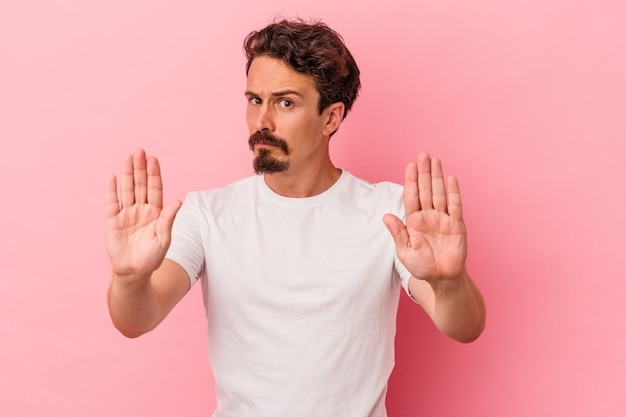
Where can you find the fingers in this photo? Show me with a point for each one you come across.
(454, 198)
(155, 184)
(397, 229)
(140, 181)
(166, 220)
(425, 188)
(431, 187)
(424, 181)
(140, 176)
(127, 183)
(111, 203)
(438, 186)
(411, 197)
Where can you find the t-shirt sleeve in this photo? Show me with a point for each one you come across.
(404, 275)
(397, 208)
(186, 248)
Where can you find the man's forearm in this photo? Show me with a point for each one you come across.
(133, 305)
(459, 310)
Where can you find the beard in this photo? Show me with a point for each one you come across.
(265, 162)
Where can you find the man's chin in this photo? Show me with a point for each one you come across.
(264, 165)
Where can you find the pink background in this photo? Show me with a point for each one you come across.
(525, 101)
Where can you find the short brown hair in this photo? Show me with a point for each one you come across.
(313, 49)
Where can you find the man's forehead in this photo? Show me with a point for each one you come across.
(269, 75)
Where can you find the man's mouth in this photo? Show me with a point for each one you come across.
(265, 140)
(264, 145)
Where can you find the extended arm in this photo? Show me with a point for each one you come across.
(432, 245)
(138, 304)
(144, 286)
(457, 308)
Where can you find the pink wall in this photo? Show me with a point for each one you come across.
(524, 100)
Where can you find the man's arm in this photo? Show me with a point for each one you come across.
(144, 286)
(138, 304)
(432, 244)
(456, 308)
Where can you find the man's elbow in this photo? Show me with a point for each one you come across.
(469, 334)
(469, 338)
(130, 333)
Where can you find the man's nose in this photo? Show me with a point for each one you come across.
(265, 118)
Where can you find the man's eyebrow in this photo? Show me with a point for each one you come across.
(280, 93)
(286, 93)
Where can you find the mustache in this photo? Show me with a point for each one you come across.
(266, 138)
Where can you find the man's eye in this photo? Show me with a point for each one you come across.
(255, 100)
(286, 103)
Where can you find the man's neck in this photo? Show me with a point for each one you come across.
(302, 184)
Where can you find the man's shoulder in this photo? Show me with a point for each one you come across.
(362, 186)
(233, 187)
(384, 196)
(237, 190)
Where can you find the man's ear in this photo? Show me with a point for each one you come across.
(334, 116)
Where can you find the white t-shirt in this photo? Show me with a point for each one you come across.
(301, 295)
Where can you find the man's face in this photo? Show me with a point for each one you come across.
(286, 130)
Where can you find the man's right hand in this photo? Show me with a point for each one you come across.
(138, 227)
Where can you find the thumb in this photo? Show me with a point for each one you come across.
(397, 229)
(166, 220)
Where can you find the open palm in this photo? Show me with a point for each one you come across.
(138, 231)
(431, 242)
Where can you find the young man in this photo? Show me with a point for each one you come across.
(302, 264)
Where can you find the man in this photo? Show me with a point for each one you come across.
(300, 275)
